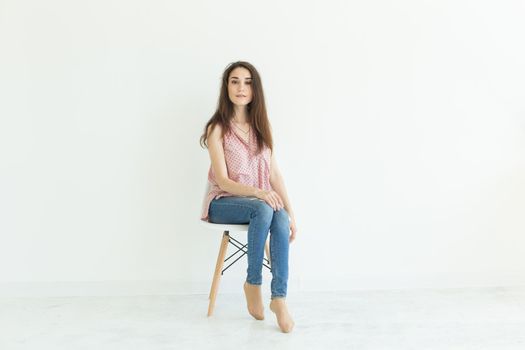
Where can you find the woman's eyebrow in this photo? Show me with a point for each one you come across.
(247, 78)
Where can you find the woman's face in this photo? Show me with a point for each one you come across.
(240, 86)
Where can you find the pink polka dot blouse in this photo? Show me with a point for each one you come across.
(243, 165)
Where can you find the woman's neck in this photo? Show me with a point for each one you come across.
(240, 115)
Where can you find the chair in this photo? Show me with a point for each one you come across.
(227, 238)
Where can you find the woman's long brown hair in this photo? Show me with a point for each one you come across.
(257, 116)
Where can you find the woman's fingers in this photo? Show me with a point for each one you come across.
(274, 200)
(279, 200)
(271, 201)
(273, 204)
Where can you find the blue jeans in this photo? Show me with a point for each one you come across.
(261, 218)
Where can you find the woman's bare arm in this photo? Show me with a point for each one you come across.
(277, 182)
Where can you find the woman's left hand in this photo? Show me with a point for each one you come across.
(293, 229)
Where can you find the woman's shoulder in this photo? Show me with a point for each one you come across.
(214, 128)
(215, 131)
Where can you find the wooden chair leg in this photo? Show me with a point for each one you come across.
(218, 270)
(267, 249)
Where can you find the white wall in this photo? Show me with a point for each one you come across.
(399, 128)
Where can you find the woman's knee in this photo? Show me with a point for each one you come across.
(281, 219)
(263, 210)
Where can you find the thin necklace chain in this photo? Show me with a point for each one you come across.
(248, 133)
(238, 127)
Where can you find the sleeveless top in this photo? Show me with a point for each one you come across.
(243, 166)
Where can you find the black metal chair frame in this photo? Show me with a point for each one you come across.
(240, 248)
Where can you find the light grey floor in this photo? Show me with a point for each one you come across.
(489, 318)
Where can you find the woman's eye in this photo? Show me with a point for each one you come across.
(235, 82)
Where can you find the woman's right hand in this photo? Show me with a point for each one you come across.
(272, 198)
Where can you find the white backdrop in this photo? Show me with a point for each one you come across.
(399, 129)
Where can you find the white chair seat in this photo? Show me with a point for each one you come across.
(225, 227)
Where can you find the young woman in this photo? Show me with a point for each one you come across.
(246, 185)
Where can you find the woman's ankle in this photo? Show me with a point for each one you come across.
(253, 284)
(278, 298)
